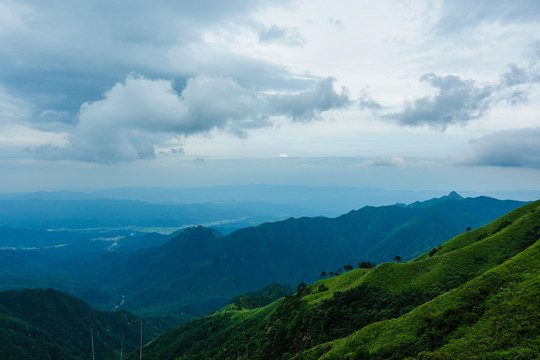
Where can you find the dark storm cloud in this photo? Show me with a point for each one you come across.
(140, 113)
(507, 148)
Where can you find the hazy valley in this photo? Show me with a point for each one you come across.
(189, 273)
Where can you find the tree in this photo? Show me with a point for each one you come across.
(347, 267)
(323, 274)
(322, 288)
(301, 287)
(469, 228)
(397, 258)
(365, 265)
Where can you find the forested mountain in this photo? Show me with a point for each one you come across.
(47, 324)
(473, 297)
(200, 270)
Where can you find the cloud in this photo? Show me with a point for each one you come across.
(383, 162)
(515, 84)
(365, 101)
(289, 36)
(13, 109)
(140, 113)
(308, 104)
(462, 15)
(507, 148)
(336, 22)
(61, 54)
(458, 101)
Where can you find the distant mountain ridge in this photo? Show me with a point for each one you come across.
(475, 297)
(424, 204)
(200, 270)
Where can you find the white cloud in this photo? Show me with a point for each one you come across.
(458, 101)
(140, 113)
(235, 69)
(13, 109)
(63, 53)
(462, 15)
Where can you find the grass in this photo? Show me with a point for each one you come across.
(343, 282)
(497, 313)
(489, 284)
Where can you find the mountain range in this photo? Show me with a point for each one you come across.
(199, 270)
(474, 297)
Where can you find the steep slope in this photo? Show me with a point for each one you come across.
(178, 277)
(496, 313)
(199, 270)
(200, 335)
(47, 324)
(475, 296)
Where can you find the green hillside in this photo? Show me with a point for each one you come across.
(200, 270)
(494, 316)
(474, 296)
(47, 324)
(204, 337)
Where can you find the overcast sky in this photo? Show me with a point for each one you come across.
(393, 94)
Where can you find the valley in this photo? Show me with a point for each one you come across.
(402, 253)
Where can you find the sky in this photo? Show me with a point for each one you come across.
(394, 94)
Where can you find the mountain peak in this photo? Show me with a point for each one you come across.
(424, 204)
(453, 196)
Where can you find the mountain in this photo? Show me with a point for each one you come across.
(474, 297)
(262, 297)
(47, 324)
(200, 270)
(424, 204)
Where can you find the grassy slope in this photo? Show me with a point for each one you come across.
(461, 259)
(502, 306)
(497, 312)
(206, 336)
